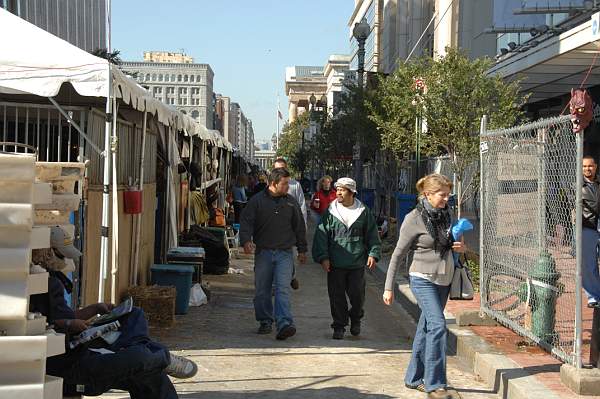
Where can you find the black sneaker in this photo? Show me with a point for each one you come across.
(265, 328)
(355, 329)
(338, 333)
(286, 332)
(593, 305)
(295, 283)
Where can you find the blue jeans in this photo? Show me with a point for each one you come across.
(273, 269)
(589, 274)
(428, 362)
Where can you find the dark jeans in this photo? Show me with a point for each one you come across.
(342, 283)
(137, 366)
(238, 207)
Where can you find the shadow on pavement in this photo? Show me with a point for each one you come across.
(330, 393)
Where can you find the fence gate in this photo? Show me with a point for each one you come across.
(528, 246)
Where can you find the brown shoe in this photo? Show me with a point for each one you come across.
(440, 393)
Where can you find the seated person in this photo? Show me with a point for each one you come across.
(133, 362)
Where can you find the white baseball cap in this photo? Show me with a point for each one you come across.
(346, 182)
(62, 242)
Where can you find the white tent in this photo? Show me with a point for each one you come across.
(39, 63)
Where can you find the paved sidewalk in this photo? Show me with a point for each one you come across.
(235, 362)
(535, 364)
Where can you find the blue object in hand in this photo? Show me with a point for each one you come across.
(460, 226)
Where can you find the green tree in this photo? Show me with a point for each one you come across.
(458, 93)
(339, 133)
(290, 143)
(113, 57)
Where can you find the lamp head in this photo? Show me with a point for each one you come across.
(361, 30)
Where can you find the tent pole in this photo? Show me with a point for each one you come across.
(77, 127)
(139, 217)
(115, 207)
(189, 199)
(106, 173)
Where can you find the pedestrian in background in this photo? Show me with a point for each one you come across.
(272, 224)
(298, 194)
(322, 197)
(590, 234)
(426, 237)
(262, 184)
(239, 196)
(345, 242)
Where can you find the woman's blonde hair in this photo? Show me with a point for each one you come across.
(432, 184)
(320, 182)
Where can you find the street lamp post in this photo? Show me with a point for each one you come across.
(361, 33)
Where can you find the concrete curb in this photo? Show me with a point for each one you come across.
(508, 379)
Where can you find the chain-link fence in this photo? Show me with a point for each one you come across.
(528, 246)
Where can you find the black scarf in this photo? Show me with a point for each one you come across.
(437, 222)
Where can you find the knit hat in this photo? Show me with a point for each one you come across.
(347, 183)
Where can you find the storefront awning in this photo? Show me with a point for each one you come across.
(557, 64)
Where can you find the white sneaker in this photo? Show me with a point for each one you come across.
(180, 367)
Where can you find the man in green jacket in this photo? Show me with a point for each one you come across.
(345, 241)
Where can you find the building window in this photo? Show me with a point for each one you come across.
(183, 101)
(199, 79)
(185, 78)
(147, 77)
(171, 90)
(160, 77)
(183, 91)
(179, 78)
(154, 77)
(195, 114)
(172, 78)
(167, 78)
(192, 78)
(158, 90)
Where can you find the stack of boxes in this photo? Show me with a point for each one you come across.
(33, 197)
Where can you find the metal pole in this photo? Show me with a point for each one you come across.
(189, 198)
(578, 250)
(138, 226)
(358, 172)
(482, 131)
(115, 207)
(106, 171)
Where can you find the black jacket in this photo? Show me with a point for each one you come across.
(591, 202)
(273, 223)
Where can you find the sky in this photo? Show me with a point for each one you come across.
(248, 43)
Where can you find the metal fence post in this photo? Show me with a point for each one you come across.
(578, 249)
(482, 131)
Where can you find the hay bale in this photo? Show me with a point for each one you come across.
(158, 303)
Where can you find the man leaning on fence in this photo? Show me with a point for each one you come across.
(591, 231)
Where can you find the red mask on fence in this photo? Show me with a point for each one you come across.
(581, 109)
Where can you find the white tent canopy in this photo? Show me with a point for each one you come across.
(40, 63)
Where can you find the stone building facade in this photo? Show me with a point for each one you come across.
(185, 86)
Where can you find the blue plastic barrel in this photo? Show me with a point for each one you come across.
(367, 197)
(404, 204)
(178, 276)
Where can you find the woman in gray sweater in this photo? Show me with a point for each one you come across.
(426, 238)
